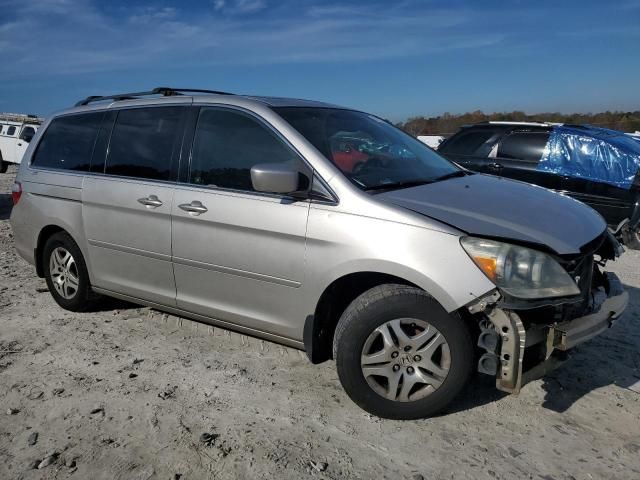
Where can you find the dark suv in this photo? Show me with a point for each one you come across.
(597, 166)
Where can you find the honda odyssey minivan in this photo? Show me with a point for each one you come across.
(407, 270)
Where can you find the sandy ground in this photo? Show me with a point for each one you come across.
(131, 393)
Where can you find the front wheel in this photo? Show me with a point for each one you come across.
(400, 355)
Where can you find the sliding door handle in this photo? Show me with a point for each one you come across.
(194, 207)
(151, 201)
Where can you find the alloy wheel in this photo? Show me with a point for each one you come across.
(405, 359)
(64, 273)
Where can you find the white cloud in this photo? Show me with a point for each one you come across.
(250, 5)
(239, 6)
(81, 36)
(151, 14)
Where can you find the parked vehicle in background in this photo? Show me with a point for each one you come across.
(597, 166)
(16, 131)
(252, 213)
(432, 141)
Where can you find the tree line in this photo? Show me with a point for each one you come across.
(448, 123)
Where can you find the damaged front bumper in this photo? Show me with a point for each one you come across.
(519, 351)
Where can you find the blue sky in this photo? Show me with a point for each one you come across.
(393, 58)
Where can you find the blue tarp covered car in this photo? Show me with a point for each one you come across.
(592, 153)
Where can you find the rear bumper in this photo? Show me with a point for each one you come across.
(22, 234)
(549, 342)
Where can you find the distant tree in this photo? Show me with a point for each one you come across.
(448, 123)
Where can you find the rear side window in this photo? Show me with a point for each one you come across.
(68, 142)
(143, 142)
(11, 131)
(27, 134)
(524, 146)
(227, 144)
(467, 143)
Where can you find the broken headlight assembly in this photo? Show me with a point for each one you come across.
(518, 271)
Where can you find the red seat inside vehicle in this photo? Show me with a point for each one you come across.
(347, 159)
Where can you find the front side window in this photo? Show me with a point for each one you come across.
(524, 146)
(227, 144)
(370, 152)
(143, 142)
(68, 142)
(467, 142)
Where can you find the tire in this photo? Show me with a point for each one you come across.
(3, 166)
(67, 276)
(631, 238)
(437, 379)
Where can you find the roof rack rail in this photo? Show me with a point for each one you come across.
(525, 123)
(164, 91)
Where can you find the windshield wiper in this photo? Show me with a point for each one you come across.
(416, 183)
(457, 173)
(396, 185)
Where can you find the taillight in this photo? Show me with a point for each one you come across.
(16, 192)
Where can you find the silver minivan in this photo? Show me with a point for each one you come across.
(318, 227)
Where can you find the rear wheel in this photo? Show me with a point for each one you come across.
(66, 273)
(400, 355)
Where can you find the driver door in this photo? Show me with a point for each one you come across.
(8, 153)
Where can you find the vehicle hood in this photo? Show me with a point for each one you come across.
(495, 207)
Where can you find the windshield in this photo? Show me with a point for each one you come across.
(370, 152)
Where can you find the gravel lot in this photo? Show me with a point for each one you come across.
(131, 393)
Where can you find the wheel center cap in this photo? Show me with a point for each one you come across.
(406, 359)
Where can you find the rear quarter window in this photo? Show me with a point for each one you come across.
(27, 134)
(68, 142)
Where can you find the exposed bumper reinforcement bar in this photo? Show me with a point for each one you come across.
(558, 338)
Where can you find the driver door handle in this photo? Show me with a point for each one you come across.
(195, 207)
(151, 201)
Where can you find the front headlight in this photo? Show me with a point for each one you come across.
(520, 272)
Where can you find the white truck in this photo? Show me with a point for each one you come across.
(16, 131)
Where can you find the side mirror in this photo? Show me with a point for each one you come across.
(274, 178)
